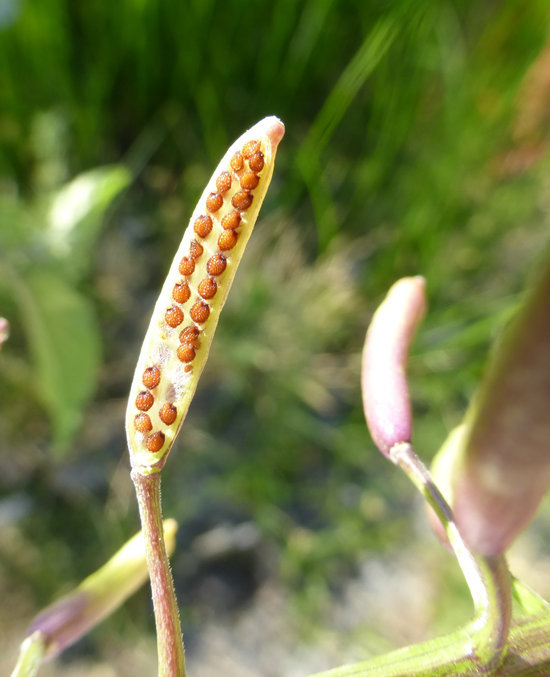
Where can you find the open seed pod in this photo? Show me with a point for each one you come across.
(186, 314)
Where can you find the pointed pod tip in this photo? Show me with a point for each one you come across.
(274, 129)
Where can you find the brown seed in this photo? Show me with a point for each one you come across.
(213, 202)
(227, 240)
(216, 264)
(208, 287)
(181, 292)
(195, 249)
(190, 335)
(231, 221)
(237, 162)
(155, 442)
(142, 423)
(185, 352)
(174, 316)
(249, 181)
(250, 148)
(256, 162)
(144, 400)
(200, 312)
(151, 377)
(187, 266)
(188, 368)
(202, 225)
(241, 200)
(223, 182)
(168, 413)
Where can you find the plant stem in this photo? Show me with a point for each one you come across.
(488, 577)
(171, 658)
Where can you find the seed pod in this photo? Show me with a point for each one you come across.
(496, 466)
(177, 353)
(383, 378)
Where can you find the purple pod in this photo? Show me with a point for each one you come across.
(383, 376)
(501, 468)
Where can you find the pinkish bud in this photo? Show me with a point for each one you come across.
(384, 384)
(67, 620)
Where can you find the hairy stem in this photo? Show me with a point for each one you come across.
(171, 656)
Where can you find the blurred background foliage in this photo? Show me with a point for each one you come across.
(416, 144)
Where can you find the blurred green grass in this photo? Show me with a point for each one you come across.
(414, 144)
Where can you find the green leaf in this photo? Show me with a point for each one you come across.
(77, 213)
(64, 341)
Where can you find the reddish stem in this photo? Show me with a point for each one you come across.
(171, 656)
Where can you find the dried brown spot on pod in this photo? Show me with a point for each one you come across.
(142, 423)
(195, 249)
(227, 240)
(200, 312)
(155, 442)
(223, 182)
(174, 316)
(185, 352)
(202, 225)
(181, 292)
(249, 181)
(237, 162)
(214, 202)
(187, 266)
(168, 413)
(208, 287)
(250, 148)
(151, 377)
(242, 200)
(216, 264)
(231, 221)
(190, 335)
(256, 162)
(144, 400)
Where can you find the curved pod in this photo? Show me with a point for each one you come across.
(186, 314)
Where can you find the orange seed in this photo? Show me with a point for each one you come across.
(142, 423)
(155, 442)
(181, 292)
(144, 400)
(227, 240)
(231, 221)
(241, 200)
(187, 266)
(174, 316)
(216, 264)
(256, 162)
(250, 148)
(202, 225)
(213, 202)
(190, 335)
(249, 181)
(200, 312)
(151, 377)
(195, 249)
(223, 182)
(186, 352)
(168, 413)
(237, 162)
(208, 287)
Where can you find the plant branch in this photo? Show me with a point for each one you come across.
(171, 656)
(488, 578)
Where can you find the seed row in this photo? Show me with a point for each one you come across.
(241, 200)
